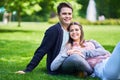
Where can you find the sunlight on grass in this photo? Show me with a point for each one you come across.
(18, 44)
(106, 35)
(32, 26)
(17, 59)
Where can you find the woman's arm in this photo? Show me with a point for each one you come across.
(59, 59)
(99, 50)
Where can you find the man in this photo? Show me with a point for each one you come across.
(54, 40)
(55, 37)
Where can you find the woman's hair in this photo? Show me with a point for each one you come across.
(81, 37)
(63, 4)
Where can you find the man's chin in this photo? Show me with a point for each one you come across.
(67, 23)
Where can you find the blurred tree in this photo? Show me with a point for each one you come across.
(76, 6)
(22, 7)
(84, 4)
(114, 8)
(46, 9)
(2, 3)
(103, 8)
(49, 8)
(108, 8)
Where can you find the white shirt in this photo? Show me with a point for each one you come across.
(61, 56)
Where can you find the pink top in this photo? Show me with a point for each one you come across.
(89, 46)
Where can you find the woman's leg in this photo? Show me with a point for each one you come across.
(112, 68)
(75, 63)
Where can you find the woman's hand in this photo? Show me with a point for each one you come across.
(69, 52)
(75, 51)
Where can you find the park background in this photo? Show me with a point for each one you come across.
(23, 27)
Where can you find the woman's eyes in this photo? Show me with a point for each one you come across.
(74, 30)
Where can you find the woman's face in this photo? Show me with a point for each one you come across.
(75, 32)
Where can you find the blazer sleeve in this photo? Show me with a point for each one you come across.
(99, 50)
(46, 45)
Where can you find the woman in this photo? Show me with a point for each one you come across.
(106, 66)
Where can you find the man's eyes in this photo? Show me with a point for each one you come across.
(66, 13)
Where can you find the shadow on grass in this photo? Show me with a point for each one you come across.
(10, 31)
(11, 47)
(109, 47)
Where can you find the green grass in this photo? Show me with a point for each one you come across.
(17, 46)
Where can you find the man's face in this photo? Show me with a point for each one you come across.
(65, 15)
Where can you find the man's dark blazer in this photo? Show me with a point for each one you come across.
(50, 45)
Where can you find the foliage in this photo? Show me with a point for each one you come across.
(82, 11)
(104, 22)
(103, 8)
(22, 7)
(46, 11)
(53, 20)
(42, 10)
(74, 4)
(108, 8)
(1, 16)
(2, 3)
(32, 18)
(114, 8)
(49, 11)
(86, 22)
(111, 9)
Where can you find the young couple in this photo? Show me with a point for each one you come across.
(64, 44)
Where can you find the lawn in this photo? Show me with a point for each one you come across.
(17, 46)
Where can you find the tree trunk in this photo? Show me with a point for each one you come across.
(19, 18)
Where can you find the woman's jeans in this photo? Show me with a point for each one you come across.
(108, 70)
(75, 64)
(111, 70)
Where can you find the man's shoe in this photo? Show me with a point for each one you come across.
(82, 74)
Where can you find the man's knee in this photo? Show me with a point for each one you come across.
(110, 75)
(75, 61)
(70, 62)
(80, 63)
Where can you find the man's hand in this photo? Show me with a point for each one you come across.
(20, 72)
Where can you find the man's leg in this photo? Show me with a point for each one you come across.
(112, 67)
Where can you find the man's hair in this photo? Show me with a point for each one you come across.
(63, 4)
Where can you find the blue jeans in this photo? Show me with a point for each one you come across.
(75, 64)
(111, 70)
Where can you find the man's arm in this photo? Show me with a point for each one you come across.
(46, 45)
